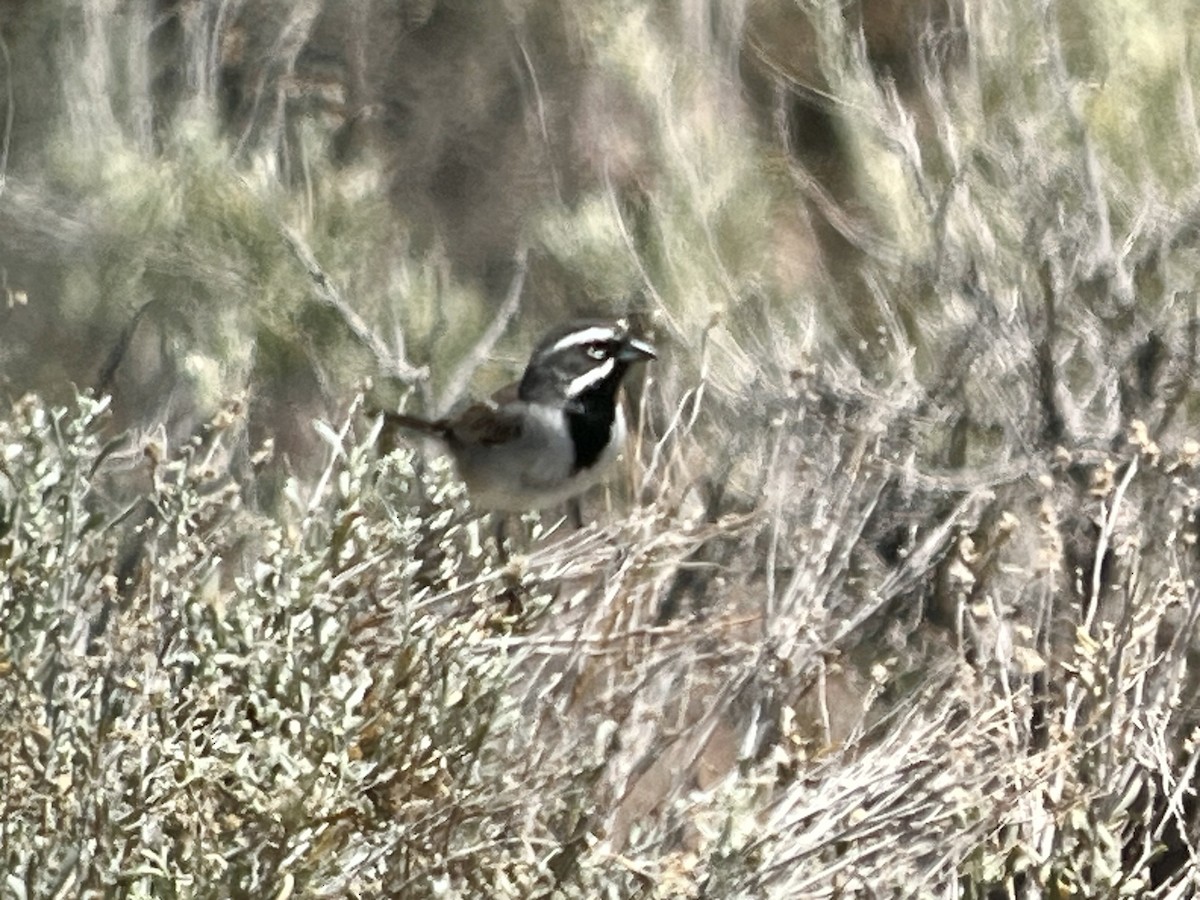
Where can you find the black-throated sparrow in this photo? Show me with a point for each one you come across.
(552, 435)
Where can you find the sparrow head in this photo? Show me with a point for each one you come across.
(580, 359)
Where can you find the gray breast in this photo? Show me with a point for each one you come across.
(535, 469)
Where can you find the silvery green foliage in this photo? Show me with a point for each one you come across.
(353, 697)
(202, 700)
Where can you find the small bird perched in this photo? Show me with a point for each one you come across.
(551, 436)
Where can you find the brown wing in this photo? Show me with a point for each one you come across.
(507, 394)
(483, 423)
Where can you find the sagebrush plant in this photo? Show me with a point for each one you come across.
(240, 708)
(361, 699)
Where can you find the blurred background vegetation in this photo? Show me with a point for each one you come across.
(894, 596)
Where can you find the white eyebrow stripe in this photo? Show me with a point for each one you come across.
(591, 377)
(586, 336)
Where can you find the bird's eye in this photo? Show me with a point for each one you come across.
(596, 351)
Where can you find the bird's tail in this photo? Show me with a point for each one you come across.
(393, 420)
(394, 423)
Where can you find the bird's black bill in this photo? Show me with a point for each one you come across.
(634, 350)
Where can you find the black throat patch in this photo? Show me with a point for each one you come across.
(590, 419)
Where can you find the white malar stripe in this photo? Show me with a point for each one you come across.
(585, 336)
(590, 378)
